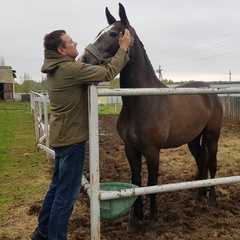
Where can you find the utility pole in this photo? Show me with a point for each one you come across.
(159, 71)
(230, 76)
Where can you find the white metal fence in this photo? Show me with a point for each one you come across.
(231, 106)
(40, 111)
(39, 104)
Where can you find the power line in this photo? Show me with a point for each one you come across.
(200, 43)
(202, 49)
(204, 58)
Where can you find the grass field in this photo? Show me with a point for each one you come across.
(20, 159)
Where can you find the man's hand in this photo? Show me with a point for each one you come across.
(124, 41)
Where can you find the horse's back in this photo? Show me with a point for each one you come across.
(213, 100)
(193, 84)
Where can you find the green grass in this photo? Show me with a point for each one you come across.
(20, 161)
(8, 116)
(112, 109)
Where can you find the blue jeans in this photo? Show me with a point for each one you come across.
(63, 191)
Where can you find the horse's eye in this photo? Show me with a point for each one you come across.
(113, 34)
(83, 59)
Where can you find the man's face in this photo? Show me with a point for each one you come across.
(70, 48)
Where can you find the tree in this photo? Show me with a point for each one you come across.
(167, 81)
(2, 61)
(27, 83)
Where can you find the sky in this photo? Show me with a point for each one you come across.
(186, 39)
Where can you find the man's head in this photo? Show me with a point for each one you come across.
(60, 42)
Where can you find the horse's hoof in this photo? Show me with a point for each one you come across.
(151, 230)
(200, 197)
(134, 226)
(151, 235)
(212, 203)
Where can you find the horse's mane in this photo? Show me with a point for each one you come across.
(144, 50)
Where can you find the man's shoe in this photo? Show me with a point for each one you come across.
(37, 236)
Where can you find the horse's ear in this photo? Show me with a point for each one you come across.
(110, 18)
(123, 16)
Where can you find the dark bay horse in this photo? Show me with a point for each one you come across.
(148, 124)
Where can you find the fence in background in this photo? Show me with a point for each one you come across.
(231, 106)
(40, 112)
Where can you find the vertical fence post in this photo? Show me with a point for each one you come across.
(35, 112)
(94, 161)
(46, 128)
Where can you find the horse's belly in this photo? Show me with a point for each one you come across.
(173, 143)
(179, 138)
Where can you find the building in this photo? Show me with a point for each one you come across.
(103, 99)
(7, 76)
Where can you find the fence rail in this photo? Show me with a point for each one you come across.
(231, 104)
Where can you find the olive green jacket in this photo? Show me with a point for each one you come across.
(68, 93)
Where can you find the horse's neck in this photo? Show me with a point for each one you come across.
(139, 72)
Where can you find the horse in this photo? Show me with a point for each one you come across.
(147, 124)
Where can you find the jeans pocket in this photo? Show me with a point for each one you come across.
(62, 151)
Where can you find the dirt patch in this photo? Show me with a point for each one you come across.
(180, 217)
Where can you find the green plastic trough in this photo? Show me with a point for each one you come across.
(115, 208)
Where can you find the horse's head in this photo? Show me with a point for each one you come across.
(106, 42)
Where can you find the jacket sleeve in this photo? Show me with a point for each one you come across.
(85, 73)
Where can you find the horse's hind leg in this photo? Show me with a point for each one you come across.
(200, 154)
(205, 155)
(212, 145)
(134, 159)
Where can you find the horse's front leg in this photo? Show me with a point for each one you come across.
(134, 158)
(152, 158)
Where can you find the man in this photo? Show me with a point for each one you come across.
(67, 89)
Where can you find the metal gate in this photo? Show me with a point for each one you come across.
(39, 105)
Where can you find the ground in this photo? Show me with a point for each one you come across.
(180, 216)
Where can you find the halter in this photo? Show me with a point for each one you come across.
(95, 53)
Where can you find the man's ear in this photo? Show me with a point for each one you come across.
(61, 51)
